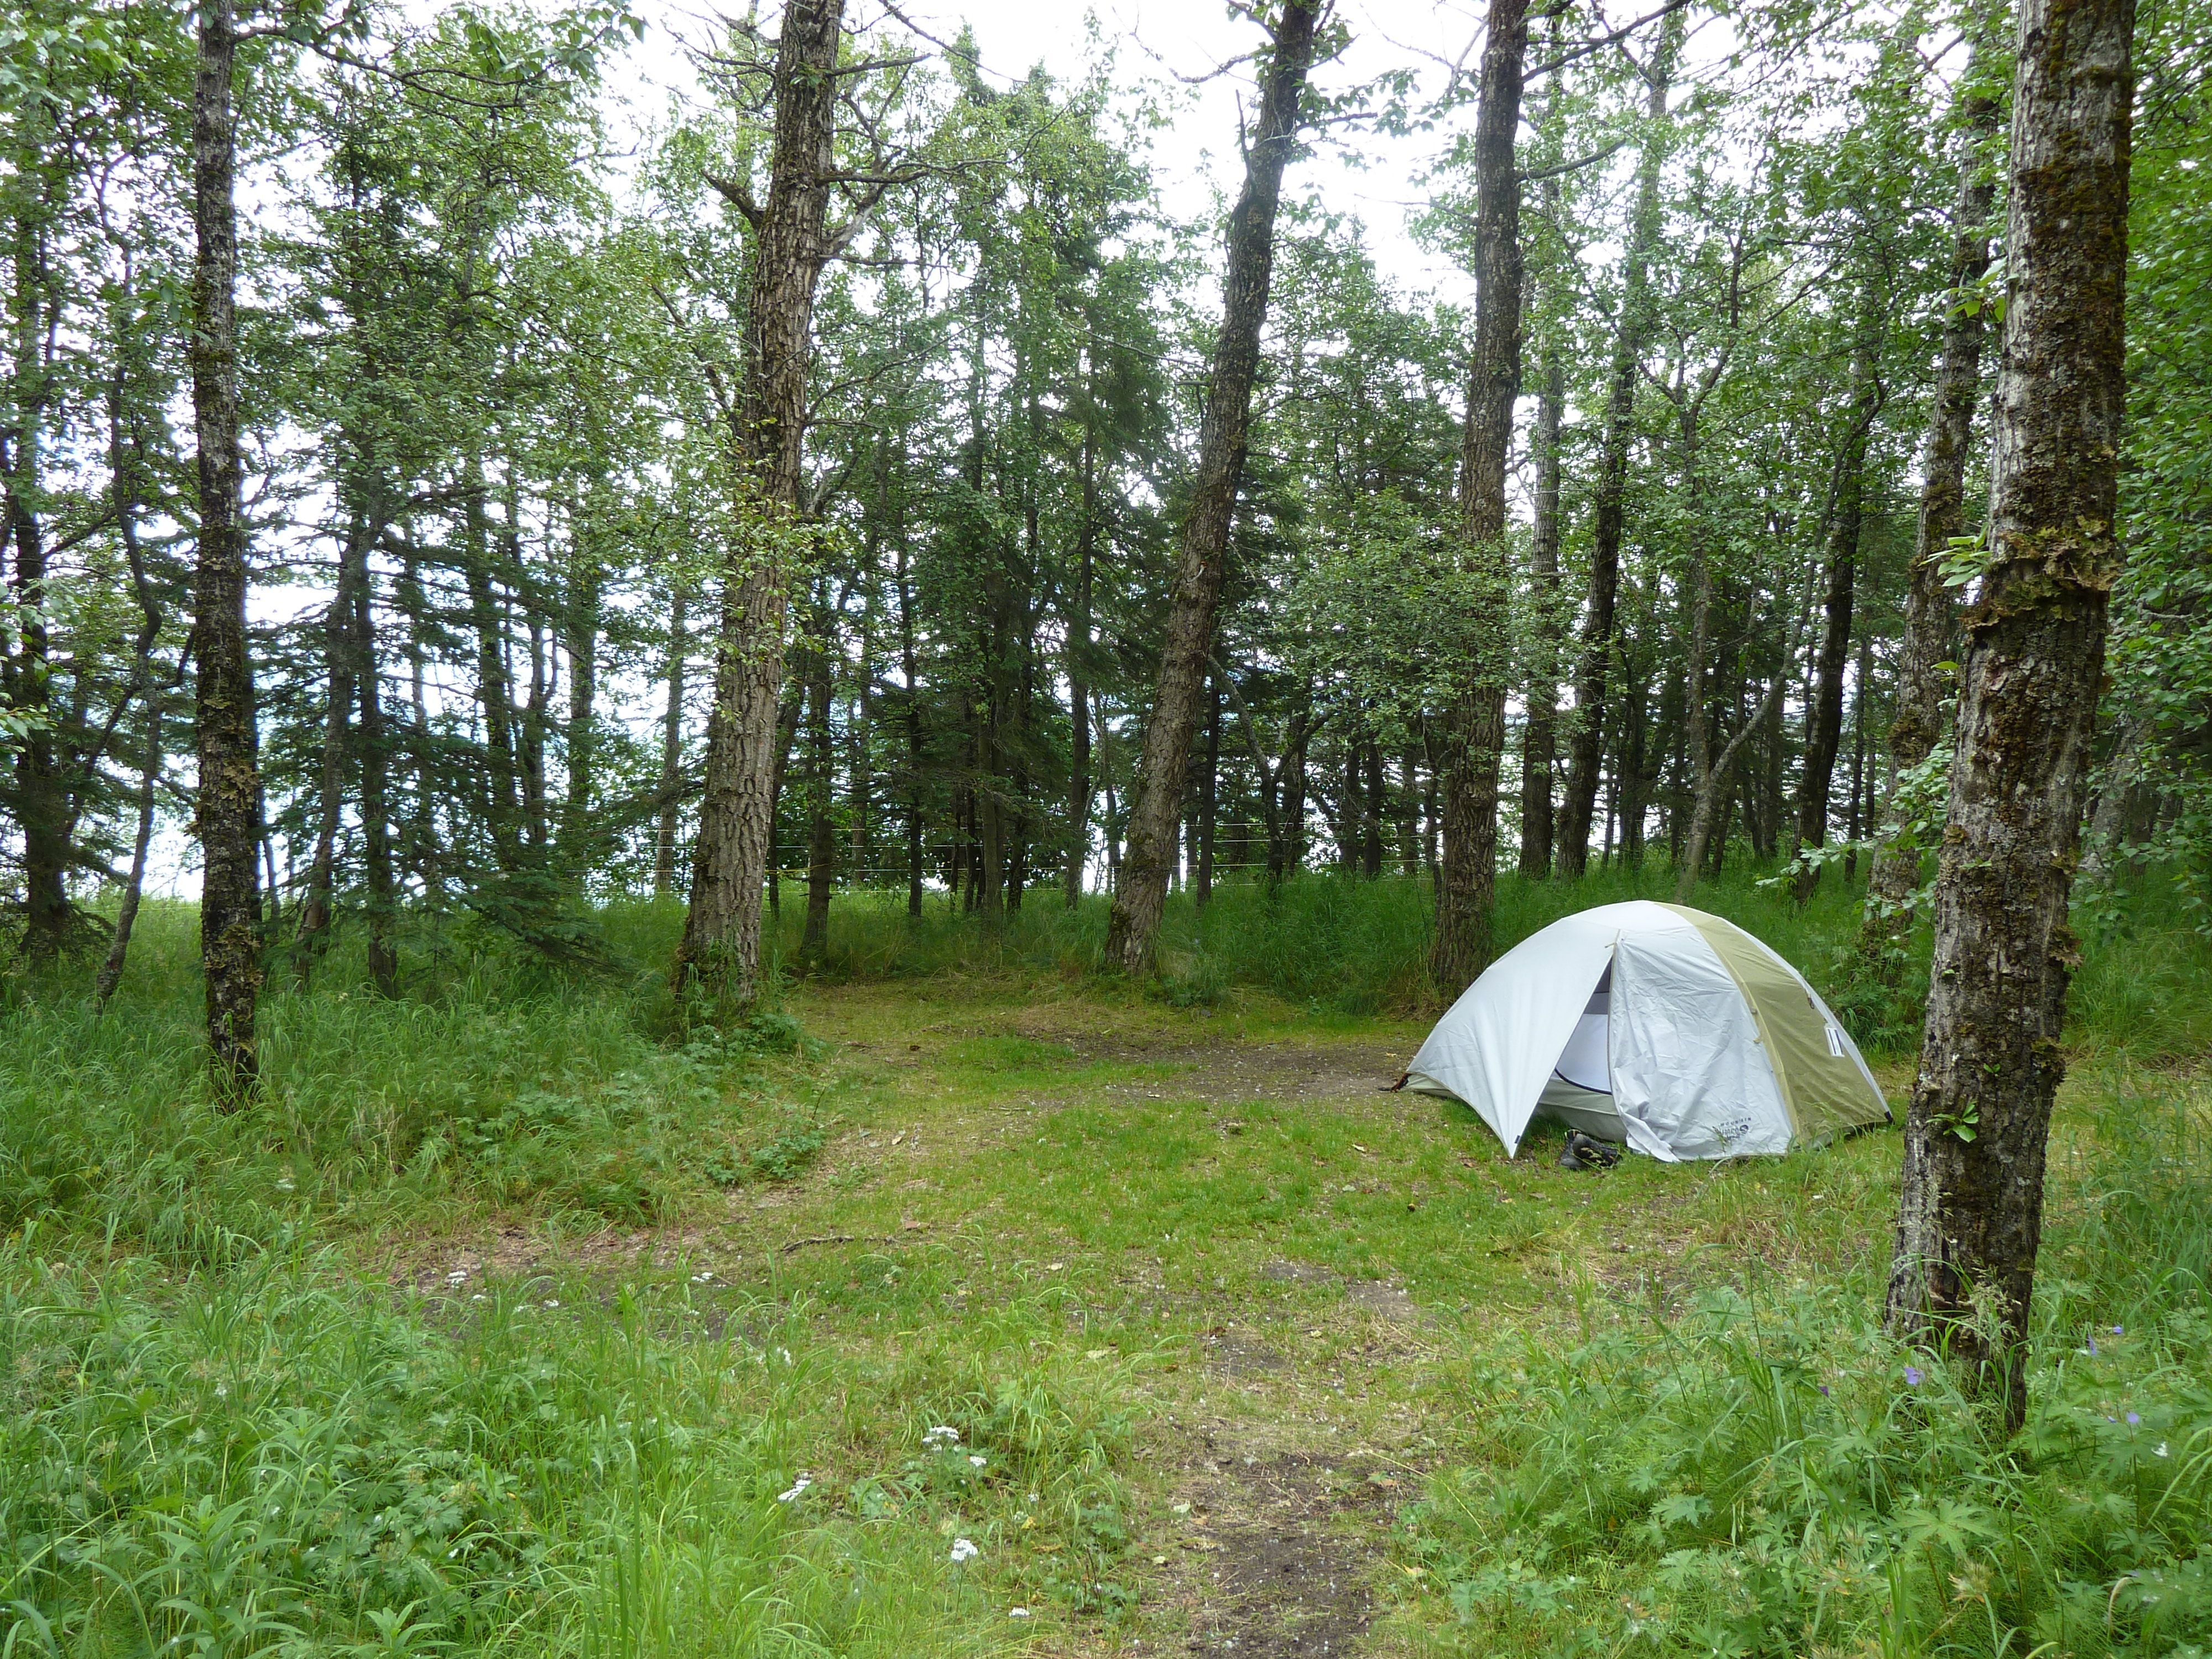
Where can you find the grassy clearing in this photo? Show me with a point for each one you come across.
(509, 1323)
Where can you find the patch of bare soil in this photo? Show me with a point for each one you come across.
(1280, 1559)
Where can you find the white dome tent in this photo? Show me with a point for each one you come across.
(1669, 1031)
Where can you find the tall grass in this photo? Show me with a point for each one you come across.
(267, 1461)
(1347, 945)
(1770, 1475)
(1360, 947)
(490, 1082)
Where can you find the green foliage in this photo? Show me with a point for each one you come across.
(497, 1082)
(1768, 1476)
(1352, 946)
(272, 1459)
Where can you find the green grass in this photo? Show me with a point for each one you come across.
(1764, 1473)
(245, 1405)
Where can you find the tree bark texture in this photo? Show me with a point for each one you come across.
(1921, 681)
(1474, 725)
(1148, 859)
(227, 819)
(1579, 805)
(1970, 1217)
(1847, 522)
(791, 243)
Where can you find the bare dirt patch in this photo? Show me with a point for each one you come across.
(1280, 1555)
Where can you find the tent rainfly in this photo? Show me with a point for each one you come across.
(1671, 1031)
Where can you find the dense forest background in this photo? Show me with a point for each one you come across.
(487, 377)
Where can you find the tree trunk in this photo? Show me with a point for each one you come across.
(338, 724)
(495, 688)
(41, 802)
(423, 850)
(908, 675)
(228, 815)
(1474, 729)
(40, 805)
(1824, 718)
(672, 751)
(821, 829)
(1209, 790)
(1970, 1213)
(1587, 748)
(1344, 820)
(1079, 785)
(1855, 826)
(125, 472)
(375, 806)
(720, 953)
(1373, 806)
(1411, 799)
(1922, 681)
(1540, 739)
(1133, 933)
(581, 845)
(126, 914)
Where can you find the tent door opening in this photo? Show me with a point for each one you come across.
(1579, 1091)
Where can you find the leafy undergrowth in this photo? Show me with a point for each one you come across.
(487, 1085)
(1774, 1476)
(964, 1253)
(265, 1461)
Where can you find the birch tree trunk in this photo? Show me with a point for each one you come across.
(1133, 933)
(1971, 1215)
(1475, 726)
(227, 819)
(720, 950)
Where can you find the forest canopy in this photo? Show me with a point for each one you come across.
(515, 467)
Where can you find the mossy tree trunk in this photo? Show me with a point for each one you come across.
(1971, 1215)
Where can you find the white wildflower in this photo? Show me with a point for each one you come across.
(941, 1436)
(964, 1549)
(977, 1461)
(1017, 1612)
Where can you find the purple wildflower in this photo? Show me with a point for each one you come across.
(1912, 1375)
(1824, 1389)
(2119, 1331)
(2093, 1347)
(2134, 1418)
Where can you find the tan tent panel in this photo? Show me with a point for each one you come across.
(1824, 1083)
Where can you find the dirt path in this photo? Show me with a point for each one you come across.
(1280, 1508)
